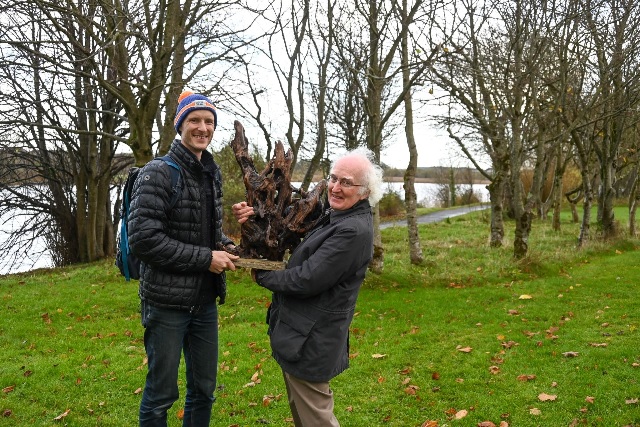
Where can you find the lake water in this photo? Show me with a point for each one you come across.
(36, 258)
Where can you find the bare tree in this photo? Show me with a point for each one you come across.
(496, 74)
(88, 77)
(410, 196)
(64, 132)
(321, 51)
(613, 27)
(386, 24)
(474, 119)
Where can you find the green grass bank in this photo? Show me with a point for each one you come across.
(470, 336)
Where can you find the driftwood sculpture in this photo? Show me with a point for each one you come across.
(283, 213)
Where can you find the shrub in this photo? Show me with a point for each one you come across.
(233, 185)
(391, 204)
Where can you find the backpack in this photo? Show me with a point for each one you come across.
(128, 263)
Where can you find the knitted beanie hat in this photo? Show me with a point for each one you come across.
(188, 102)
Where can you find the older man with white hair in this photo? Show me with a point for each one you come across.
(314, 298)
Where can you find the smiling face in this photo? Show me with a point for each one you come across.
(347, 169)
(197, 131)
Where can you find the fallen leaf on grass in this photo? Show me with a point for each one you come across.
(9, 389)
(378, 356)
(412, 390)
(138, 390)
(526, 377)
(494, 370)
(62, 415)
(429, 423)
(267, 399)
(535, 411)
(570, 354)
(631, 401)
(590, 399)
(544, 397)
(7, 413)
(464, 349)
(525, 296)
(460, 414)
(595, 344)
(486, 424)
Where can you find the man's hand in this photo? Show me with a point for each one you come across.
(222, 261)
(242, 211)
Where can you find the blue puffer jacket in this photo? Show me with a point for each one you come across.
(314, 298)
(171, 242)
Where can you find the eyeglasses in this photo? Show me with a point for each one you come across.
(344, 182)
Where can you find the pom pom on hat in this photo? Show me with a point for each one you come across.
(188, 102)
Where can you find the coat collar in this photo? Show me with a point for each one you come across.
(190, 160)
(361, 206)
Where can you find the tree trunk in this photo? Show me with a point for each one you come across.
(606, 215)
(633, 201)
(585, 226)
(496, 195)
(375, 86)
(410, 196)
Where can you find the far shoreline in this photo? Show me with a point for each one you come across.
(431, 181)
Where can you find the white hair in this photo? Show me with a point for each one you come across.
(372, 177)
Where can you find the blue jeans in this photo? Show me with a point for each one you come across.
(167, 334)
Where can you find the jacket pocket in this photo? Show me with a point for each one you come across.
(290, 334)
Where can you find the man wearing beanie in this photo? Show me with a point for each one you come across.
(181, 273)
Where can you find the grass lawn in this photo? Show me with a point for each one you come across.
(470, 336)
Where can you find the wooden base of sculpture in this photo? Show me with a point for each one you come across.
(260, 264)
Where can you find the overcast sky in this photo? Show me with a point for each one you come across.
(434, 147)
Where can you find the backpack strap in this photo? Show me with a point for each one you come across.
(176, 185)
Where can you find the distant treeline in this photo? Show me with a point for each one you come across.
(436, 174)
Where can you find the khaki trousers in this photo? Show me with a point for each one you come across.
(311, 403)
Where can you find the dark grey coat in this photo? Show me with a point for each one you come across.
(172, 242)
(314, 298)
